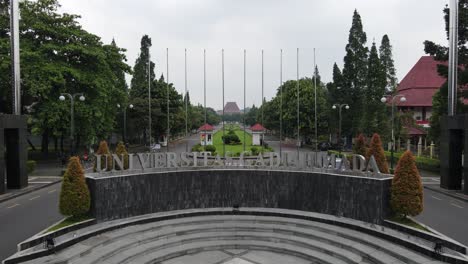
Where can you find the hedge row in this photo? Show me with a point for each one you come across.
(30, 166)
(423, 163)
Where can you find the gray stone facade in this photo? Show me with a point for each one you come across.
(13, 152)
(360, 198)
(454, 131)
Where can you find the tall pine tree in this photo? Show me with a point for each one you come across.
(335, 96)
(139, 82)
(139, 92)
(386, 58)
(374, 114)
(355, 73)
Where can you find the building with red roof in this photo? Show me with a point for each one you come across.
(418, 87)
(231, 108)
(206, 134)
(257, 128)
(257, 134)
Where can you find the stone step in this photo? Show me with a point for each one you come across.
(190, 248)
(284, 239)
(345, 235)
(354, 247)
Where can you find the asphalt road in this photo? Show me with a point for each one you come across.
(445, 214)
(25, 216)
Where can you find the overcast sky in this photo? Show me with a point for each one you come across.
(254, 25)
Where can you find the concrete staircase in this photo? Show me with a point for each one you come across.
(157, 242)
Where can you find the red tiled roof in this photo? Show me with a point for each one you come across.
(414, 131)
(206, 127)
(257, 128)
(422, 122)
(421, 83)
(417, 97)
(231, 107)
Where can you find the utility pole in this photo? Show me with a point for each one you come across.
(15, 57)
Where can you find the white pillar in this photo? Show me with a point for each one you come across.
(419, 146)
(431, 150)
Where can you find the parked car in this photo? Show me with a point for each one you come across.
(324, 146)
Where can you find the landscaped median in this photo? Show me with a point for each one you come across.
(423, 163)
(235, 146)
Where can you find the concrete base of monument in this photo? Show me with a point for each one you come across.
(125, 195)
(239, 235)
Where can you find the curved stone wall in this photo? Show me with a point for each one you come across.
(122, 196)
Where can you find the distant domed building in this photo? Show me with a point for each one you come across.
(231, 108)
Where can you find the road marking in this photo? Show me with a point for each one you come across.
(44, 182)
(11, 206)
(35, 197)
(437, 198)
(456, 205)
(52, 191)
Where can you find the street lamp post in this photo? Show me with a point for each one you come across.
(340, 107)
(72, 113)
(124, 134)
(392, 99)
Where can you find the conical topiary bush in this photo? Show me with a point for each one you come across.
(74, 196)
(104, 150)
(376, 150)
(407, 190)
(121, 150)
(360, 145)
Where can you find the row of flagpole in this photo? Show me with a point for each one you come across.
(244, 103)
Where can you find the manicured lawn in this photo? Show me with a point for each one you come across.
(67, 222)
(218, 142)
(408, 222)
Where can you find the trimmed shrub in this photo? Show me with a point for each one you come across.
(360, 145)
(407, 190)
(104, 150)
(254, 151)
(211, 149)
(30, 166)
(197, 148)
(74, 196)
(121, 150)
(231, 139)
(422, 163)
(377, 151)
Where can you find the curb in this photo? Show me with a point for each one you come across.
(28, 191)
(446, 193)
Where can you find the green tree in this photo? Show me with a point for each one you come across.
(360, 145)
(376, 150)
(407, 190)
(375, 118)
(336, 96)
(440, 53)
(355, 75)
(307, 109)
(64, 58)
(120, 150)
(252, 116)
(103, 150)
(142, 77)
(74, 196)
(386, 58)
